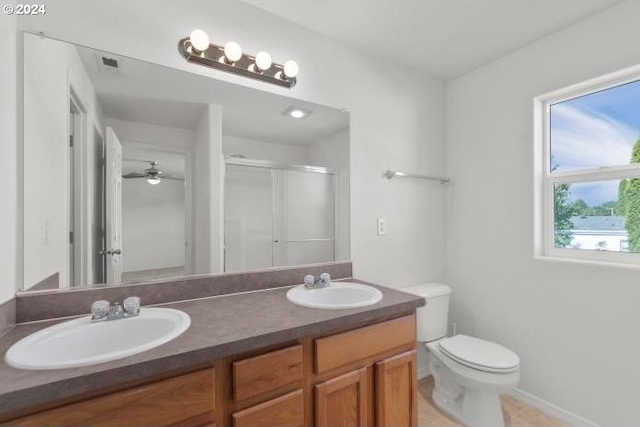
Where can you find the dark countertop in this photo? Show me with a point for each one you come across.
(221, 326)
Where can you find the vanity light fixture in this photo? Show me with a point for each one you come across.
(296, 112)
(199, 49)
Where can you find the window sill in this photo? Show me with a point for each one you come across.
(590, 262)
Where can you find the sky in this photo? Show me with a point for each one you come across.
(595, 130)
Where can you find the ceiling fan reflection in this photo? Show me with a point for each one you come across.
(152, 174)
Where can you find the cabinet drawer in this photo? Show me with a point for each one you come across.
(349, 347)
(267, 372)
(283, 411)
(167, 402)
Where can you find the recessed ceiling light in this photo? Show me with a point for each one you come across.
(296, 112)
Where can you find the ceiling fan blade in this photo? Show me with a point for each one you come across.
(173, 179)
(133, 175)
(138, 160)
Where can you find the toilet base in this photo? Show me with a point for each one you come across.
(467, 399)
(473, 407)
(482, 409)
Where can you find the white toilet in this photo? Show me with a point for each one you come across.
(470, 373)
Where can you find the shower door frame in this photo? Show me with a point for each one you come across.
(267, 164)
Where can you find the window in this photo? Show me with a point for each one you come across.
(588, 170)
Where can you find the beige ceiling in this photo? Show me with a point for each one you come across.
(446, 38)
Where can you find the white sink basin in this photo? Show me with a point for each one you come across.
(80, 343)
(338, 295)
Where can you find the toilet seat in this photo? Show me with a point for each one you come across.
(479, 354)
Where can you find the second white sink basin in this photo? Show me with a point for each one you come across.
(338, 295)
(80, 343)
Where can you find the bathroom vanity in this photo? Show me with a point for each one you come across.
(325, 381)
(247, 360)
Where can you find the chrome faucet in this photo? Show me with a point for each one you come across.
(103, 311)
(313, 282)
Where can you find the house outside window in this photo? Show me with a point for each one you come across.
(587, 171)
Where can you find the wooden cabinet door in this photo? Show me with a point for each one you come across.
(342, 401)
(396, 391)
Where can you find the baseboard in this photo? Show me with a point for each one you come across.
(551, 409)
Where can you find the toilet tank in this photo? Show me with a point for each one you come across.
(432, 318)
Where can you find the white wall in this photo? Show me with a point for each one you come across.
(163, 136)
(153, 224)
(46, 152)
(333, 152)
(287, 154)
(574, 326)
(397, 114)
(208, 193)
(8, 158)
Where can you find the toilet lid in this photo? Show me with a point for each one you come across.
(479, 354)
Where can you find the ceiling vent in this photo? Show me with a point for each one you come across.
(109, 62)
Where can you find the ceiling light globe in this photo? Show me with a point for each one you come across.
(232, 51)
(154, 180)
(263, 61)
(291, 69)
(199, 40)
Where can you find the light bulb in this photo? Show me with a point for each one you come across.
(232, 51)
(263, 61)
(154, 180)
(291, 69)
(199, 40)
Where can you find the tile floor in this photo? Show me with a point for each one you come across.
(516, 412)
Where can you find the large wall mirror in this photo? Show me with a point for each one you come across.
(138, 172)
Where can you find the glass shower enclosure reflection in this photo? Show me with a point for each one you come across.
(277, 215)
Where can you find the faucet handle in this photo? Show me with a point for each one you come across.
(325, 278)
(131, 306)
(100, 309)
(309, 280)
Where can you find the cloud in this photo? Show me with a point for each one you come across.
(583, 139)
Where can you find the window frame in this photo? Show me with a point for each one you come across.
(544, 181)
